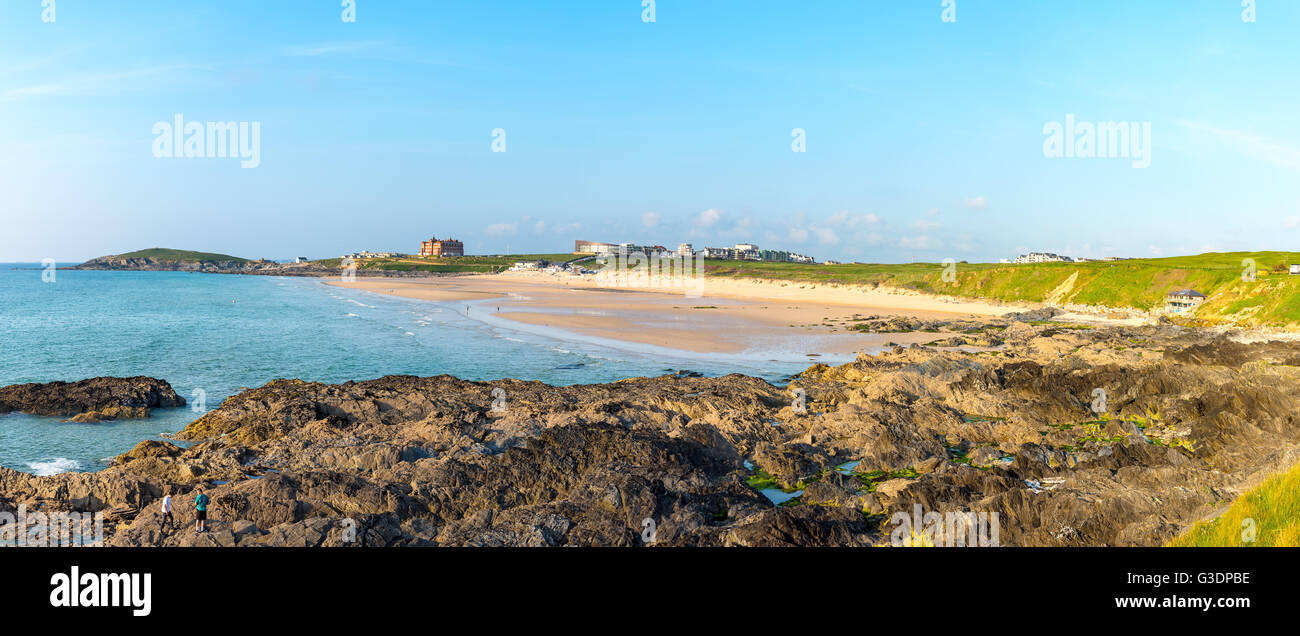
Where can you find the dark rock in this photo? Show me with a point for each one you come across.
(1191, 420)
(94, 399)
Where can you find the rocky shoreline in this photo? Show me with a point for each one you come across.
(91, 400)
(1189, 420)
(249, 268)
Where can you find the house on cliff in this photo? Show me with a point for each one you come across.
(1183, 301)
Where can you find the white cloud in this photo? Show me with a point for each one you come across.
(1252, 145)
(35, 63)
(1291, 222)
(498, 229)
(707, 218)
(649, 219)
(976, 203)
(539, 227)
(328, 48)
(844, 219)
(95, 85)
(922, 242)
(925, 226)
(1154, 250)
(837, 228)
(826, 236)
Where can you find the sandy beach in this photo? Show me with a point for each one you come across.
(728, 316)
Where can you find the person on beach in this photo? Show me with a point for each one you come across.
(168, 519)
(201, 511)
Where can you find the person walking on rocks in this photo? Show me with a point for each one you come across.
(168, 519)
(201, 511)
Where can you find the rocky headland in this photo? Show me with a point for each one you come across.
(150, 264)
(233, 266)
(1075, 437)
(159, 260)
(91, 400)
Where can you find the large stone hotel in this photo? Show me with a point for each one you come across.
(444, 247)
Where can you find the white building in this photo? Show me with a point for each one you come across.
(1042, 257)
(592, 247)
(369, 254)
(1183, 301)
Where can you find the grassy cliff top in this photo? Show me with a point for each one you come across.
(448, 264)
(1272, 298)
(1269, 515)
(165, 254)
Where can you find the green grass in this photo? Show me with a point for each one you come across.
(1273, 508)
(1272, 299)
(165, 254)
(869, 479)
(971, 417)
(447, 264)
(761, 480)
(1059, 325)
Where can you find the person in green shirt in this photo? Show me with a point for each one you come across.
(201, 510)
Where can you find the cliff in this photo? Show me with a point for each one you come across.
(1249, 289)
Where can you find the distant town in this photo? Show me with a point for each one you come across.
(435, 247)
(1048, 257)
(740, 252)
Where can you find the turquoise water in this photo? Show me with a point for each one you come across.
(218, 333)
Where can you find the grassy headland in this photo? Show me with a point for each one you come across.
(448, 264)
(186, 256)
(1272, 299)
(1267, 516)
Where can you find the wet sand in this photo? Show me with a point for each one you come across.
(732, 317)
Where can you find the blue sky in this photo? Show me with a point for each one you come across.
(924, 138)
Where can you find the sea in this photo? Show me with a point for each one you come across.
(212, 335)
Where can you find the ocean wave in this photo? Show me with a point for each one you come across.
(54, 466)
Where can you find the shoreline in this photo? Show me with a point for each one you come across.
(732, 317)
(847, 293)
(878, 435)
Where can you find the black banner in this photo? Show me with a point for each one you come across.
(514, 584)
